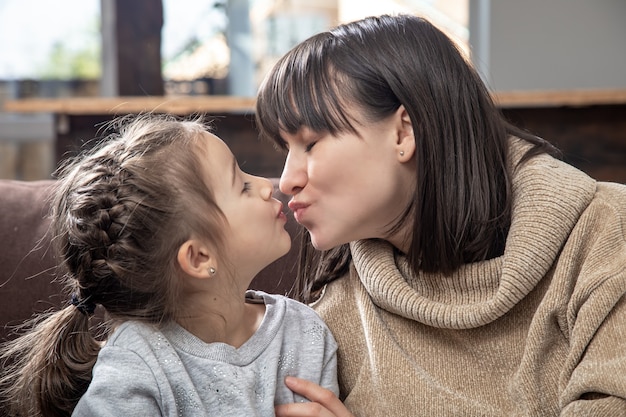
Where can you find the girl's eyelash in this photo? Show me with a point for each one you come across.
(246, 187)
(310, 146)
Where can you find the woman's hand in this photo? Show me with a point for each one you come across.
(323, 402)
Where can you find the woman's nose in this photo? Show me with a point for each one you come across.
(294, 177)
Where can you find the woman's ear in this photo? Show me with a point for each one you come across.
(405, 142)
(195, 259)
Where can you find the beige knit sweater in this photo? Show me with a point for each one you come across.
(539, 331)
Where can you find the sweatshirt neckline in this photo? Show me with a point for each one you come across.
(274, 314)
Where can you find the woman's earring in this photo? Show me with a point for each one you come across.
(212, 270)
(401, 153)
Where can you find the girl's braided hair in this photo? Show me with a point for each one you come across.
(119, 214)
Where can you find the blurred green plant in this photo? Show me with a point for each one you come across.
(67, 62)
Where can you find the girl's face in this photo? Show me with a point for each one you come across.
(351, 186)
(256, 235)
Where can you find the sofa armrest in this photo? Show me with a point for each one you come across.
(28, 269)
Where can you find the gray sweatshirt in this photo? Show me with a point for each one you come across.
(147, 371)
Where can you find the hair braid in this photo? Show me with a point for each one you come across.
(119, 214)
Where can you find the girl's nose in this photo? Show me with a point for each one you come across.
(266, 188)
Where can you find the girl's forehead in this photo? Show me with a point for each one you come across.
(213, 143)
(218, 157)
(210, 137)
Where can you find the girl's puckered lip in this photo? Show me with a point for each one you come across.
(280, 213)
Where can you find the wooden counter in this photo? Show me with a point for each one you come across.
(558, 98)
(80, 120)
(182, 105)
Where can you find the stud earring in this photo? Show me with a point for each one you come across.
(401, 153)
(212, 270)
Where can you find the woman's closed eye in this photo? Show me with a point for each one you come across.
(246, 187)
(309, 146)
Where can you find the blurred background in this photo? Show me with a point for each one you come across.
(559, 66)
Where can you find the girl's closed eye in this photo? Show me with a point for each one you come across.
(246, 187)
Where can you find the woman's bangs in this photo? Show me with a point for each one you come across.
(302, 91)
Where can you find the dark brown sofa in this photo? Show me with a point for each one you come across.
(27, 265)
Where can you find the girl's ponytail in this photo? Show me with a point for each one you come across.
(46, 370)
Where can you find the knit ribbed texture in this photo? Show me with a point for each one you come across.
(525, 334)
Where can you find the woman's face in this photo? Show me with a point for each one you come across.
(351, 186)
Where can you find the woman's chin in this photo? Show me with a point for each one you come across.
(321, 244)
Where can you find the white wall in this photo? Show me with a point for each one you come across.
(549, 44)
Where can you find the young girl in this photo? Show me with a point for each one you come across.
(161, 228)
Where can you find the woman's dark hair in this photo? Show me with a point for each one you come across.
(119, 214)
(461, 208)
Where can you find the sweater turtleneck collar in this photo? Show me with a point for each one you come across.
(548, 198)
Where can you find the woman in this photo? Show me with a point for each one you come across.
(463, 269)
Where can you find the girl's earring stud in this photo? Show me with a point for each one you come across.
(212, 271)
(401, 153)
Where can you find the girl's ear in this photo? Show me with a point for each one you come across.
(195, 259)
(405, 142)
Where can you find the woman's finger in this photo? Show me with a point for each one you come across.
(302, 410)
(329, 404)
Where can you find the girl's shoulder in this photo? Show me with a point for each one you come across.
(134, 334)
